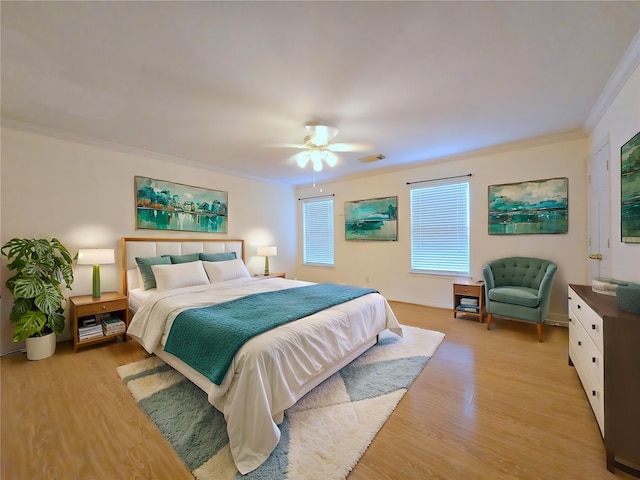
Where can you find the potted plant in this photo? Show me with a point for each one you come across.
(40, 267)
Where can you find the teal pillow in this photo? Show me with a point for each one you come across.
(189, 257)
(144, 264)
(217, 257)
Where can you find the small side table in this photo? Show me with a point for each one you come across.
(469, 290)
(85, 306)
(271, 275)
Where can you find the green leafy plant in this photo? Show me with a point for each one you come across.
(40, 267)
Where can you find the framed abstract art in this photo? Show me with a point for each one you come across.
(536, 206)
(630, 190)
(162, 205)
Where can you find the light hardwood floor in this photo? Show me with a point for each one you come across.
(489, 405)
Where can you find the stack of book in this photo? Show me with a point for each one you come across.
(90, 329)
(113, 326)
(468, 304)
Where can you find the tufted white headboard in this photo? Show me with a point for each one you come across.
(133, 247)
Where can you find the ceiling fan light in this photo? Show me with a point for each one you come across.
(303, 158)
(316, 156)
(321, 134)
(317, 164)
(330, 158)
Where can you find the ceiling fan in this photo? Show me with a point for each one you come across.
(318, 147)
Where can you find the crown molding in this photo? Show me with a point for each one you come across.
(92, 142)
(616, 82)
(553, 138)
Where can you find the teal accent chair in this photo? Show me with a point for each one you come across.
(519, 287)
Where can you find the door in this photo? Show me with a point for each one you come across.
(599, 248)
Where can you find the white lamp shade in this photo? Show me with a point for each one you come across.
(267, 251)
(96, 256)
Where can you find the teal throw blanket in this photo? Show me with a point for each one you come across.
(207, 338)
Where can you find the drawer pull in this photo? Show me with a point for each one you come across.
(579, 343)
(593, 393)
(593, 359)
(593, 326)
(579, 306)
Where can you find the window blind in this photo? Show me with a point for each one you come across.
(440, 228)
(317, 232)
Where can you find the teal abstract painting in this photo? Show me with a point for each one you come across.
(162, 205)
(630, 190)
(537, 206)
(372, 219)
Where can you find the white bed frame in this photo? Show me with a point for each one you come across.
(133, 247)
(152, 247)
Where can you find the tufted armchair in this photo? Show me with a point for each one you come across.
(519, 287)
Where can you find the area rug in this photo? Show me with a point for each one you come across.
(322, 437)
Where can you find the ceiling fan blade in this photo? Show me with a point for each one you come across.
(285, 145)
(350, 147)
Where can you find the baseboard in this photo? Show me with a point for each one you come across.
(558, 320)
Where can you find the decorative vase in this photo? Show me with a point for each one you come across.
(39, 348)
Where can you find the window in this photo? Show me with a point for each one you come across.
(317, 232)
(440, 228)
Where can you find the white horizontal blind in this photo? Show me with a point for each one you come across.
(317, 232)
(440, 228)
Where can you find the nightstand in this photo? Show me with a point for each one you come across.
(271, 275)
(85, 307)
(473, 303)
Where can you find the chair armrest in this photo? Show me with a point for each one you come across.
(544, 292)
(489, 283)
(547, 281)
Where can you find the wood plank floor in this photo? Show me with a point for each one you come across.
(489, 405)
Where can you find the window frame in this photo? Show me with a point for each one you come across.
(323, 239)
(460, 226)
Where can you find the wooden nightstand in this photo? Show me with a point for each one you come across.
(472, 291)
(272, 275)
(85, 306)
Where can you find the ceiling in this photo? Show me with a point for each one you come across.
(215, 83)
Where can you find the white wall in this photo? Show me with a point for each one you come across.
(84, 196)
(620, 122)
(386, 264)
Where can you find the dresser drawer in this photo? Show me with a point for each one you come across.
(101, 307)
(592, 388)
(583, 351)
(471, 290)
(579, 311)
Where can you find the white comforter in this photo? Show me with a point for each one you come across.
(272, 370)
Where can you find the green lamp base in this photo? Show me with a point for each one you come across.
(96, 281)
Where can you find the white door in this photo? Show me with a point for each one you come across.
(599, 249)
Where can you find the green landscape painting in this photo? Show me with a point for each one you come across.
(372, 219)
(630, 190)
(162, 205)
(537, 206)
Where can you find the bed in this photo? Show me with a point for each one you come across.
(272, 370)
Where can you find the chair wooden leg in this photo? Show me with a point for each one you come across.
(539, 326)
(489, 318)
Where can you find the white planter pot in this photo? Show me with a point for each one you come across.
(39, 348)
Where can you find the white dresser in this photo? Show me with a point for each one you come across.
(604, 347)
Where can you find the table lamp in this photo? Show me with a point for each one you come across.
(96, 257)
(267, 252)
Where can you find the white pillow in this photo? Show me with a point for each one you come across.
(227, 270)
(179, 275)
